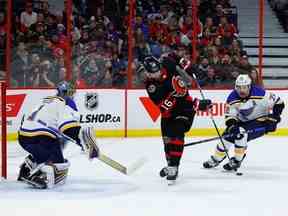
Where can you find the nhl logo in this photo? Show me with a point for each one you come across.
(91, 101)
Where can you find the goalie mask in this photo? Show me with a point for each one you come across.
(243, 85)
(152, 68)
(66, 89)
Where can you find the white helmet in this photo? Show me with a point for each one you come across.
(243, 85)
(243, 79)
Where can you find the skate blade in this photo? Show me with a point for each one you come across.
(171, 182)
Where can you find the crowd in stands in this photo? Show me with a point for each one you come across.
(99, 41)
(2, 39)
(281, 9)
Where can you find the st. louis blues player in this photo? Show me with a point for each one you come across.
(41, 135)
(249, 108)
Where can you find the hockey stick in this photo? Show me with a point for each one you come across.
(112, 163)
(115, 164)
(184, 74)
(225, 136)
(102, 157)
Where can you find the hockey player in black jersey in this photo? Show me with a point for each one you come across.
(167, 89)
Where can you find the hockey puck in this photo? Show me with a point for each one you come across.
(239, 174)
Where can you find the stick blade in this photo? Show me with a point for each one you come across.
(136, 165)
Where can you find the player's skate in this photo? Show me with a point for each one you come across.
(172, 174)
(233, 164)
(212, 162)
(163, 172)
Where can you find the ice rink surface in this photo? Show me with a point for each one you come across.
(93, 188)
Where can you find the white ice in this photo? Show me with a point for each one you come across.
(93, 188)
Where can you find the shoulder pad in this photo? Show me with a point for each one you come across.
(257, 91)
(71, 103)
(233, 97)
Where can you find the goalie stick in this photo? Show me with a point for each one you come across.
(102, 157)
(109, 161)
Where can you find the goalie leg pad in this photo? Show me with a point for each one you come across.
(46, 176)
(26, 167)
(61, 172)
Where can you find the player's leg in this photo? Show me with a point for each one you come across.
(46, 152)
(241, 141)
(219, 153)
(173, 136)
(26, 167)
(240, 147)
(47, 176)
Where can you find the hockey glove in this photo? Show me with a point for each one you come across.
(180, 89)
(233, 128)
(202, 105)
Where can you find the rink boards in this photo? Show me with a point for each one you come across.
(116, 112)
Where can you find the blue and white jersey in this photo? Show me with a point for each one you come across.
(54, 112)
(259, 103)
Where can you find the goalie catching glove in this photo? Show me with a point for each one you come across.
(88, 140)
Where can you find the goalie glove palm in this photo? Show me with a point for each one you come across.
(89, 141)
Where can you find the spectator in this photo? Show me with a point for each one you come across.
(44, 76)
(94, 73)
(227, 31)
(2, 22)
(202, 71)
(28, 17)
(209, 30)
(44, 9)
(210, 80)
(219, 12)
(157, 30)
(20, 66)
(139, 23)
(118, 71)
(243, 66)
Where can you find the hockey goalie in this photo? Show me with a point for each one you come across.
(44, 131)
